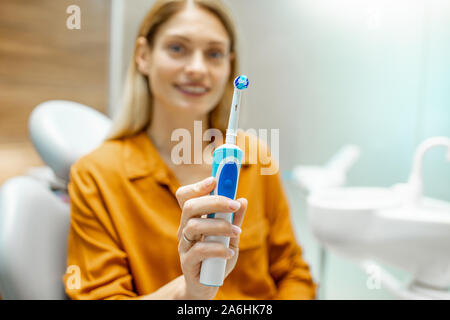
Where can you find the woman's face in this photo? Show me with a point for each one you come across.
(189, 63)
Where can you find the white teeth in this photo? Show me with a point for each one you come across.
(191, 89)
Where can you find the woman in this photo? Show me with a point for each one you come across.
(136, 219)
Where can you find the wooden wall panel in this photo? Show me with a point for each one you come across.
(41, 59)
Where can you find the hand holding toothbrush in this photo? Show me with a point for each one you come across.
(195, 200)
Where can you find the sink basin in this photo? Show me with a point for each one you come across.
(366, 223)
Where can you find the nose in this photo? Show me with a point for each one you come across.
(196, 67)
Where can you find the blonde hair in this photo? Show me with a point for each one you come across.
(136, 110)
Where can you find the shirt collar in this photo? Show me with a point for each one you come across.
(141, 159)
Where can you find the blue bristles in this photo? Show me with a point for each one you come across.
(241, 82)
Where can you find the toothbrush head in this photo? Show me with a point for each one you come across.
(241, 82)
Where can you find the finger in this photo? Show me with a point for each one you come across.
(198, 227)
(198, 189)
(201, 251)
(183, 245)
(238, 218)
(196, 207)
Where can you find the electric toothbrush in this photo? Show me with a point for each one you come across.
(227, 161)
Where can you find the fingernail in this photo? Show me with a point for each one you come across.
(234, 205)
(236, 229)
(230, 253)
(208, 181)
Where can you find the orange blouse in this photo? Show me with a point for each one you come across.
(125, 216)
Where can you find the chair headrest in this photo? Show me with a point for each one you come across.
(63, 131)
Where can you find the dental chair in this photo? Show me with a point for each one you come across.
(34, 208)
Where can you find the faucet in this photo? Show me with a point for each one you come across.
(415, 182)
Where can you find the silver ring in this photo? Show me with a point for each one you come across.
(186, 239)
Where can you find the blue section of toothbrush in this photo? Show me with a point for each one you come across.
(229, 160)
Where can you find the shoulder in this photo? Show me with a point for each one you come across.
(119, 159)
(102, 161)
(258, 153)
(250, 143)
(260, 181)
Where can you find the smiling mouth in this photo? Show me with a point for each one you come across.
(195, 91)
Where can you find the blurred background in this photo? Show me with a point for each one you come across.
(374, 73)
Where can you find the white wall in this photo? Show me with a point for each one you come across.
(126, 18)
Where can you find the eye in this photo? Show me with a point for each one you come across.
(176, 48)
(215, 54)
